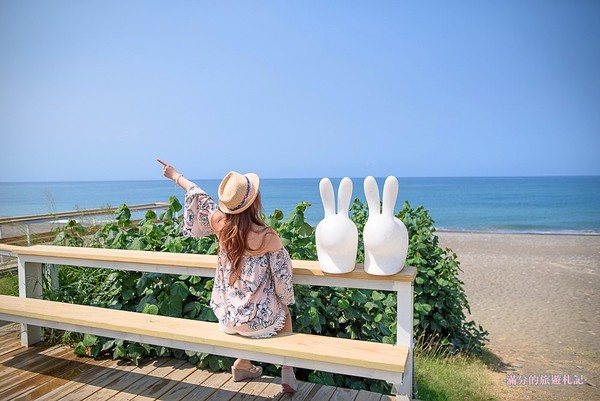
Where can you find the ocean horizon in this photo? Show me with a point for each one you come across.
(541, 205)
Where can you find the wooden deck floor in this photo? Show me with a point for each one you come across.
(48, 373)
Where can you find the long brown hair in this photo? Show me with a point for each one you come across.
(233, 237)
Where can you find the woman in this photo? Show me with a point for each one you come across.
(253, 279)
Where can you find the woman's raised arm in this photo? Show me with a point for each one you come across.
(171, 173)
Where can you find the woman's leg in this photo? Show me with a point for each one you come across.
(242, 364)
(244, 369)
(288, 378)
(287, 327)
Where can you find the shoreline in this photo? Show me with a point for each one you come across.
(566, 233)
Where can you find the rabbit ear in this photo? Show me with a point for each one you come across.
(390, 193)
(344, 195)
(372, 195)
(326, 190)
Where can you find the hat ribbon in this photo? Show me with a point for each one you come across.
(248, 188)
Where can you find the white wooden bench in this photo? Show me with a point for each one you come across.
(392, 363)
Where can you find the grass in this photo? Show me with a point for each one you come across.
(449, 378)
(9, 283)
(445, 376)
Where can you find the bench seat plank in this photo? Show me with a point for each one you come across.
(383, 361)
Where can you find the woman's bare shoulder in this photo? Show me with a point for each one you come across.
(263, 240)
(272, 241)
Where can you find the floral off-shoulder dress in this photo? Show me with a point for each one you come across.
(255, 305)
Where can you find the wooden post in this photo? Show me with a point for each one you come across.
(30, 286)
(404, 334)
(28, 234)
(52, 277)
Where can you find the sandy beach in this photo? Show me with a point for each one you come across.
(539, 298)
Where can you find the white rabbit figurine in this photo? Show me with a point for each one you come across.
(336, 235)
(385, 237)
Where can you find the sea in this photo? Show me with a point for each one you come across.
(545, 205)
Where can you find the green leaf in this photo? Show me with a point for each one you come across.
(192, 309)
(377, 296)
(305, 229)
(343, 304)
(175, 205)
(135, 353)
(123, 214)
(179, 289)
(89, 340)
(107, 345)
(171, 306)
(150, 215)
(138, 244)
(277, 215)
(150, 309)
(81, 349)
(127, 294)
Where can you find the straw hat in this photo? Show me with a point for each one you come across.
(237, 192)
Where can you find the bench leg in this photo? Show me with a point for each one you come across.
(30, 286)
(405, 388)
(405, 294)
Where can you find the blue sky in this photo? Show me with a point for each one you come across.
(97, 90)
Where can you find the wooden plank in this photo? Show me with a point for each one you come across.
(119, 382)
(10, 348)
(190, 383)
(301, 267)
(8, 333)
(255, 387)
(344, 394)
(103, 378)
(228, 390)
(208, 387)
(304, 392)
(19, 355)
(364, 395)
(10, 341)
(272, 391)
(95, 371)
(18, 380)
(369, 355)
(32, 380)
(166, 383)
(143, 385)
(29, 360)
(322, 393)
(70, 376)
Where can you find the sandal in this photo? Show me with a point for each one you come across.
(243, 374)
(288, 380)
